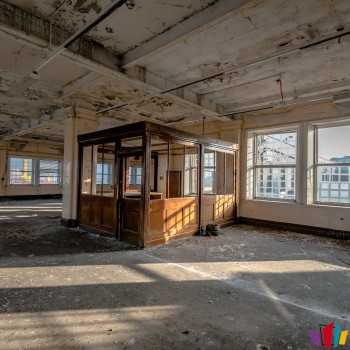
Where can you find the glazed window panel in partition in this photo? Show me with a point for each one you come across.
(191, 171)
(210, 173)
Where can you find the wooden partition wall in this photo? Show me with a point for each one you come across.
(218, 209)
(170, 218)
(147, 214)
(98, 213)
(130, 221)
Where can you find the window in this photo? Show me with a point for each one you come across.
(275, 165)
(34, 171)
(209, 173)
(104, 171)
(190, 179)
(50, 172)
(21, 171)
(135, 175)
(332, 164)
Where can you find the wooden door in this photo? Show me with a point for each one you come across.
(174, 184)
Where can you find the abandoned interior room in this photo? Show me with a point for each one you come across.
(174, 174)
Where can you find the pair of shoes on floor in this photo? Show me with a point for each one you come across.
(212, 230)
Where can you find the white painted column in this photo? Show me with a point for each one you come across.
(78, 121)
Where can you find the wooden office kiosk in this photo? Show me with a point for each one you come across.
(146, 183)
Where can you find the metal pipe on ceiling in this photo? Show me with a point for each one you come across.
(277, 54)
(280, 105)
(78, 34)
(260, 109)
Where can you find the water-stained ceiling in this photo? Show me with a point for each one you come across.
(220, 57)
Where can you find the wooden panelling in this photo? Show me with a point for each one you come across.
(85, 209)
(171, 218)
(130, 224)
(218, 209)
(97, 212)
(108, 212)
(131, 220)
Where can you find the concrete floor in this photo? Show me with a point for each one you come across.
(245, 289)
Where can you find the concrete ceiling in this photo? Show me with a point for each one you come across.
(255, 54)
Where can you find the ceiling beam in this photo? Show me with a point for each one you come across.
(192, 25)
(33, 124)
(80, 33)
(13, 81)
(22, 85)
(97, 63)
(14, 18)
(181, 95)
(80, 82)
(41, 141)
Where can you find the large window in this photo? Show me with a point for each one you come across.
(275, 165)
(104, 171)
(34, 171)
(49, 172)
(21, 171)
(332, 164)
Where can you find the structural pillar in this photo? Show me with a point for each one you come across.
(78, 121)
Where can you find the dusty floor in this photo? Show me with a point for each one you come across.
(31, 228)
(246, 287)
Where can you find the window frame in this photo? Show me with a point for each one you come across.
(33, 183)
(255, 135)
(39, 169)
(317, 165)
(35, 171)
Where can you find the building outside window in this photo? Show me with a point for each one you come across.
(135, 175)
(332, 164)
(50, 172)
(104, 171)
(191, 175)
(209, 173)
(275, 165)
(21, 171)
